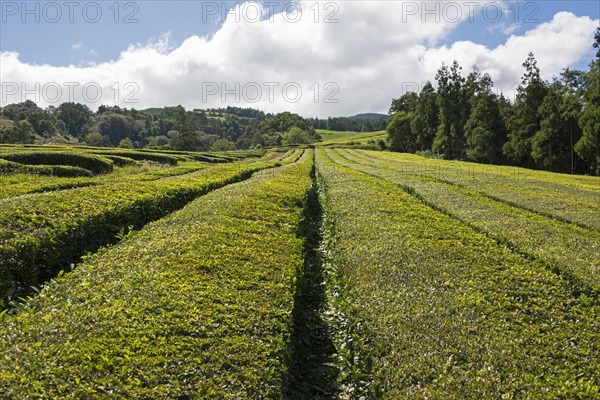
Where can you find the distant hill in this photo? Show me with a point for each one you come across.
(370, 116)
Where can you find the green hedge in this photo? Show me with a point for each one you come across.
(40, 233)
(121, 161)
(197, 305)
(95, 164)
(447, 312)
(62, 171)
(569, 249)
(140, 156)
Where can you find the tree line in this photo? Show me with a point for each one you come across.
(553, 126)
(350, 124)
(166, 128)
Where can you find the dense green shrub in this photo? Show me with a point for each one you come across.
(141, 156)
(121, 161)
(42, 232)
(63, 171)
(196, 305)
(95, 164)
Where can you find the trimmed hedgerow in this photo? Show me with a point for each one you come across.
(21, 182)
(140, 156)
(11, 168)
(121, 161)
(569, 198)
(95, 164)
(449, 312)
(196, 305)
(40, 233)
(565, 247)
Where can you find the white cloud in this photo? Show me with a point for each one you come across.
(375, 51)
(77, 46)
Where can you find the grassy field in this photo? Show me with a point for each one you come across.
(339, 138)
(327, 273)
(328, 136)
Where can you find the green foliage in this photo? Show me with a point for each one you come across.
(223, 145)
(525, 121)
(40, 233)
(407, 103)
(117, 128)
(296, 136)
(426, 118)
(63, 171)
(400, 134)
(120, 161)
(485, 131)
(496, 202)
(96, 139)
(20, 111)
(126, 143)
(20, 132)
(449, 311)
(141, 156)
(75, 116)
(550, 146)
(95, 164)
(588, 147)
(196, 305)
(453, 102)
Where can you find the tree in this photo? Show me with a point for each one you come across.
(400, 134)
(550, 145)
(525, 121)
(19, 132)
(296, 136)
(183, 137)
(281, 123)
(588, 147)
(223, 145)
(406, 103)
(159, 141)
(117, 127)
(126, 143)
(572, 92)
(485, 131)
(75, 116)
(20, 111)
(426, 118)
(454, 108)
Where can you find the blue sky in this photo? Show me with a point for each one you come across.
(365, 54)
(57, 43)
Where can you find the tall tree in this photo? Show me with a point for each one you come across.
(75, 116)
(525, 121)
(426, 117)
(400, 135)
(550, 145)
(485, 130)
(572, 107)
(588, 147)
(454, 110)
(406, 103)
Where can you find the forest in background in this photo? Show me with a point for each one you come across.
(553, 126)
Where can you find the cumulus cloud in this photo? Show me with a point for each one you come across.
(299, 62)
(77, 46)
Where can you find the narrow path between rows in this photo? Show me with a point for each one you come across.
(310, 348)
